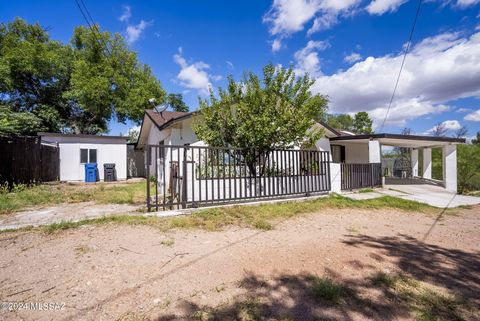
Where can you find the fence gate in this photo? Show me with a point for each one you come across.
(356, 176)
(194, 176)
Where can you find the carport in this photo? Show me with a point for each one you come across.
(368, 149)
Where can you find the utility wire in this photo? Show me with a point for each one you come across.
(95, 26)
(91, 24)
(407, 48)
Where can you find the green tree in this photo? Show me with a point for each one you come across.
(277, 111)
(362, 123)
(108, 81)
(476, 140)
(176, 102)
(76, 87)
(340, 121)
(468, 167)
(34, 73)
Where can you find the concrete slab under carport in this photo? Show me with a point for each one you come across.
(419, 190)
(431, 193)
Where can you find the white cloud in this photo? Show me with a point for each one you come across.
(448, 125)
(134, 32)
(380, 7)
(127, 13)
(467, 3)
(230, 64)
(463, 110)
(352, 58)
(286, 17)
(474, 116)
(307, 60)
(276, 45)
(194, 75)
(437, 70)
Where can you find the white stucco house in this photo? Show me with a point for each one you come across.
(346, 149)
(76, 150)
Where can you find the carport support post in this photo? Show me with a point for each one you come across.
(414, 155)
(427, 163)
(450, 167)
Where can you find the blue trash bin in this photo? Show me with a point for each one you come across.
(90, 172)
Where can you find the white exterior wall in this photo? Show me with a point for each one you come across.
(109, 150)
(427, 163)
(323, 144)
(374, 152)
(336, 178)
(414, 156)
(450, 167)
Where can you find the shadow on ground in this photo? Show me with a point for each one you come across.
(453, 269)
(293, 297)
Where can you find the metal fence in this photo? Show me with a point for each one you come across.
(355, 176)
(25, 160)
(194, 176)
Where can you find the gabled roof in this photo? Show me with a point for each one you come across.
(163, 119)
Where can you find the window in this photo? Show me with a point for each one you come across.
(338, 153)
(88, 155)
(93, 155)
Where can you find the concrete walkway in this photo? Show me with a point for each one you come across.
(63, 212)
(426, 193)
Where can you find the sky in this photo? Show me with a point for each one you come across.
(352, 48)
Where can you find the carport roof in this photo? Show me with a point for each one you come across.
(400, 140)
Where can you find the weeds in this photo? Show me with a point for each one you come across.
(366, 190)
(261, 217)
(21, 196)
(326, 289)
(427, 302)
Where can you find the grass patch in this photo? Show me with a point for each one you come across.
(129, 193)
(262, 216)
(168, 242)
(326, 289)
(366, 190)
(428, 303)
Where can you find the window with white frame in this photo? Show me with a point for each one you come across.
(88, 155)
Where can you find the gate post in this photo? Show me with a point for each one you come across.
(184, 177)
(148, 158)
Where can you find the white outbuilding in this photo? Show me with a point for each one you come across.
(76, 150)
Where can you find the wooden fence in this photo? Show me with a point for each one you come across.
(361, 175)
(25, 160)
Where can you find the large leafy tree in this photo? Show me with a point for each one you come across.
(362, 123)
(261, 114)
(76, 87)
(175, 101)
(340, 121)
(34, 73)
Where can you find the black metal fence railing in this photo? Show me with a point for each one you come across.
(26, 160)
(194, 176)
(356, 176)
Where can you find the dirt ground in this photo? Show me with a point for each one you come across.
(118, 272)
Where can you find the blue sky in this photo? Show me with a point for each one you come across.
(351, 47)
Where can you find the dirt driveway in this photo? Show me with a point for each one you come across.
(119, 272)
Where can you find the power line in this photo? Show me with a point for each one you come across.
(91, 25)
(407, 48)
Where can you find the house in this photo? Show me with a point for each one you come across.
(354, 161)
(76, 150)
